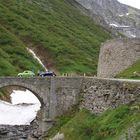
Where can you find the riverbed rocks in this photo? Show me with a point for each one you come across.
(23, 132)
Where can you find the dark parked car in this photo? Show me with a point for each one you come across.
(47, 73)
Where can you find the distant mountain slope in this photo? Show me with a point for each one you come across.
(118, 16)
(64, 38)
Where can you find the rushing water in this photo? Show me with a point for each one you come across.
(21, 111)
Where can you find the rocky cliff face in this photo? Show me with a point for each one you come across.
(120, 17)
(117, 55)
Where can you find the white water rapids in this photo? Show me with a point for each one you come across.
(21, 111)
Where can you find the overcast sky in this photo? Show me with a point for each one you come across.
(133, 3)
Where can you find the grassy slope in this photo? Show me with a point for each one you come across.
(70, 40)
(109, 126)
(13, 55)
(129, 73)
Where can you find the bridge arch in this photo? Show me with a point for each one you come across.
(35, 85)
(28, 88)
(40, 87)
(56, 94)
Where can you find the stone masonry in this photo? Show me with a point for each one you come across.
(101, 94)
(58, 94)
(117, 55)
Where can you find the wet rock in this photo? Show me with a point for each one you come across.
(23, 132)
(3, 131)
(25, 136)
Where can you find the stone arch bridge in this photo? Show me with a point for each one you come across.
(58, 94)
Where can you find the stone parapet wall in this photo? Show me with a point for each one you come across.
(117, 55)
(101, 94)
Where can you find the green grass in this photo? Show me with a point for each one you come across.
(70, 40)
(13, 55)
(130, 72)
(111, 125)
(60, 121)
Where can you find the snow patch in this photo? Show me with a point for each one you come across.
(36, 57)
(18, 113)
(121, 15)
(113, 25)
(19, 97)
(127, 14)
(134, 36)
(118, 26)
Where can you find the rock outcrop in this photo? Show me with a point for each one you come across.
(117, 55)
(120, 17)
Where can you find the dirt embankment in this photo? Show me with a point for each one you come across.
(5, 92)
